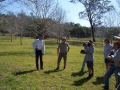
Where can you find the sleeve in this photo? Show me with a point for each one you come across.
(43, 47)
(116, 57)
(91, 50)
(34, 44)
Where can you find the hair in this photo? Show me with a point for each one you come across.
(89, 44)
(84, 44)
(107, 40)
(40, 35)
(117, 44)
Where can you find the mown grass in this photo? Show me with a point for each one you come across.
(18, 72)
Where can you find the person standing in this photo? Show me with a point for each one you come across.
(62, 50)
(83, 64)
(112, 67)
(39, 47)
(107, 49)
(89, 58)
(116, 59)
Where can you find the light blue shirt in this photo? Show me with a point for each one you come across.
(90, 57)
(40, 44)
(107, 50)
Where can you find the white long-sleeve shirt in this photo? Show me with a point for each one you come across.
(39, 44)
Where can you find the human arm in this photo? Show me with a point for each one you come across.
(57, 50)
(68, 48)
(43, 47)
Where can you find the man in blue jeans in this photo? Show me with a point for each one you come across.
(112, 67)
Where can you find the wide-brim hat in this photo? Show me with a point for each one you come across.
(118, 37)
(63, 38)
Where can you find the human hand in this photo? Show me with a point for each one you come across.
(109, 57)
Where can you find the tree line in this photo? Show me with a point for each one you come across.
(48, 18)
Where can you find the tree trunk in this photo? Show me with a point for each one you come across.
(21, 39)
(11, 37)
(92, 29)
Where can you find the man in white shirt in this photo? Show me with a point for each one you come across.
(39, 47)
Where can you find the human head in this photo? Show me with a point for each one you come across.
(90, 42)
(40, 36)
(63, 39)
(106, 41)
(116, 45)
(85, 44)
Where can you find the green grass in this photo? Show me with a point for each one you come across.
(18, 72)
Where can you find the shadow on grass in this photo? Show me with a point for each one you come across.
(52, 71)
(22, 72)
(78, 73)
(99, 80)
(14, 53)
(80, 82)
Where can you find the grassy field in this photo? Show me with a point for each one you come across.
(18, 72)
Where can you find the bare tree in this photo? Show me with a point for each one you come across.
(10, 26)
(46, 11)
(22, 21)
(118, 11)
(94, 10)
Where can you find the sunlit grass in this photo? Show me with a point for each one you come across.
(17, 67)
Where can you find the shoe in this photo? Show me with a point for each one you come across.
(92, 74)
(105, 87)
(64, 67)
(42, 68)
(57, 68)
(82, 70)
(88, 77)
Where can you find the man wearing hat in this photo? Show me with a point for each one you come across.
(116, 59)
(62, 51)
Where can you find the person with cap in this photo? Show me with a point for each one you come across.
(39, 48)
(62, 50)
(85, 45)
(112, 67)
(89, 58)
(107, 49)
(116, 59)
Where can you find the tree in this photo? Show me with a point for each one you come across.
(45, 11)
(3, 24)
(23, 22)
(10, 23)
(94, 10)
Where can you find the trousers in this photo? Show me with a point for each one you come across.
(108, 74)
(39, 55)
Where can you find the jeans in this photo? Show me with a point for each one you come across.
(117, 76)
(108, 74)
(83, 64)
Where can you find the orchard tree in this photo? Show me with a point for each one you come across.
(44, 10)
(23, 21)
(94, 10)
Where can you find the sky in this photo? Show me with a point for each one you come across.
(72, 10)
